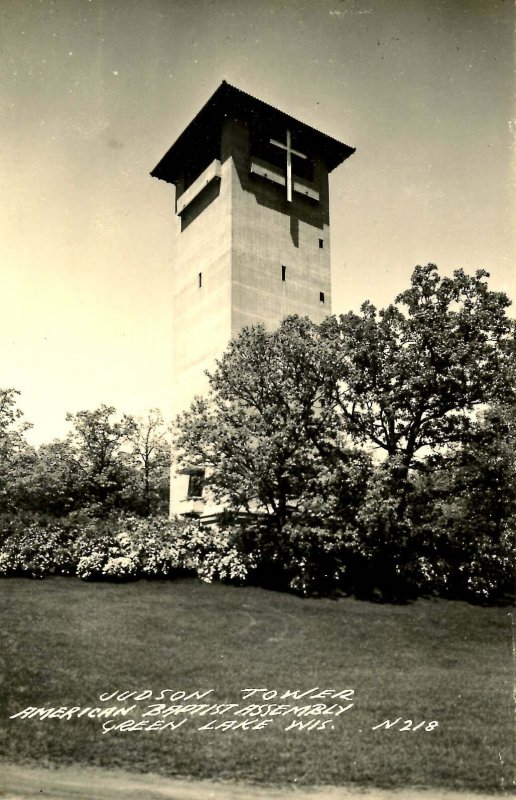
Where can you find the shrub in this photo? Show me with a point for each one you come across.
(470, 562)
(212, 553)
(157, 547)
(316, 558)
(35, 550)
(301, 557)
(120, 548)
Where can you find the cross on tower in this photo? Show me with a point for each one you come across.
(290, 152)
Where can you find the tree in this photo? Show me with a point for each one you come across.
(484, 470)
(475, 496)
(408, 377)
(264, 433)
(58, 481)
(101, 446)
(275, 432)
(15, 453)
(407, 381)
(151, 454)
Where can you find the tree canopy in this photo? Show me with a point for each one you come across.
(263, 432)
(408, 377)
(15, 453)
(285, 406)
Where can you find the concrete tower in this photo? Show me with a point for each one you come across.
(252, 236)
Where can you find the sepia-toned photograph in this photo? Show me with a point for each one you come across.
(257, 400)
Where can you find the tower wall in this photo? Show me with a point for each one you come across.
(235, 239)
(201, 313)
(268, 234)
(201, 322)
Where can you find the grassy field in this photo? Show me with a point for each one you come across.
(64, 642)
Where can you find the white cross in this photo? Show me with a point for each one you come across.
(290, 153)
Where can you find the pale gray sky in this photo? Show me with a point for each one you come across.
(95, 92)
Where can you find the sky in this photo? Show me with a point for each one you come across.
(95, 91)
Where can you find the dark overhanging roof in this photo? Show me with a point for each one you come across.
(230, 102)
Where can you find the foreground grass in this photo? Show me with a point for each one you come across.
(65, 642)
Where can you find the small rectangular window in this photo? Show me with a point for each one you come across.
(321, 297)
(200, 279)
(195, 485)
(321, 243)
(283, 273)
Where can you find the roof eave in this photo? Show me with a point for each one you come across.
(216, 108)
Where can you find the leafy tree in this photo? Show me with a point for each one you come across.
(15, 453)
(484, 470)
(264, 433)
(408, 377)
(274, 432)
(407, 381)
(471, 508)
(101, 447)
(104, 463)
(151, 454)
(58, 480)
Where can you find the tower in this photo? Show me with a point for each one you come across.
(252, 236)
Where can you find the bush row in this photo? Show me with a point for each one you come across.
(378, 558)
(119, 549)
(398, 566)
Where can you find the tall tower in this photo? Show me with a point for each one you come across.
(252, 236)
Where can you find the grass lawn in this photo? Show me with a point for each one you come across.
(64, 642)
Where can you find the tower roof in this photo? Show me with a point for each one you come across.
(230, 102)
